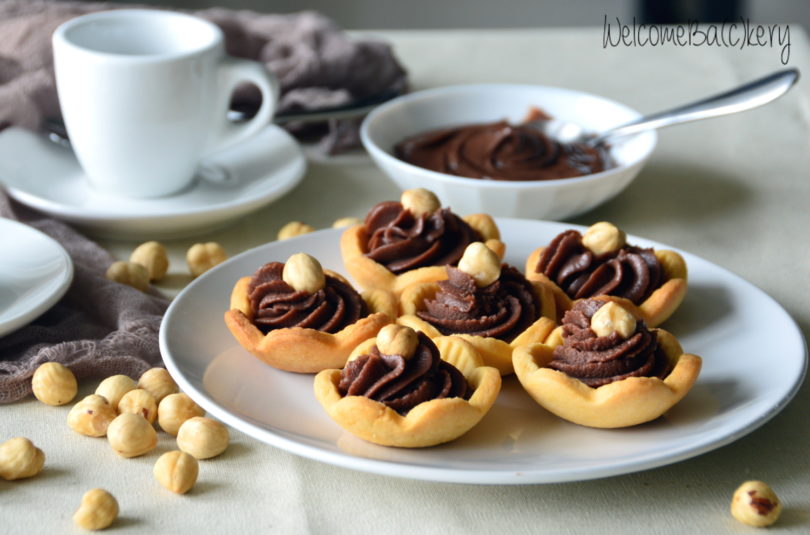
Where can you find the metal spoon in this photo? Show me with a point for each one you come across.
(745, 97)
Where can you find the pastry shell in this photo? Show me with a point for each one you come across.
(655, 310)
(496, 353)
(430, 423)
(371, 274)
(306, 350)
(623, 403)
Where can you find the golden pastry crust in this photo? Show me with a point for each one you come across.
(371, 274)
(430, 423)
(495, 352)
(655, 310)
(623, 403)
(306, 350)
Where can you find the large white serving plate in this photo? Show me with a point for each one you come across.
(724, 319)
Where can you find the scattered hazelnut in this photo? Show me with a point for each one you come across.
(177, 471)
(54, 384)
(91, 416)
(304, 273)
(130, 435)
(397, 340)
(158, 382)
(98, 510)
(419, 201)
(114, 387)
(139, 401)
(756, 504)
(346, 222)
(151, 255)
(480, 262)
(202, 438)
(293, 229)
(129, 273)
(603, 237)
(175, 409)
(19, 458)
(203, 256)
(612, 317)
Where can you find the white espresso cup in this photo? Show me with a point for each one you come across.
(145, 94)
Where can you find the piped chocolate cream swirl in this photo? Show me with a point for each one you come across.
(500, 310)
(402, 241)
(277, 305)
(599, 360)
(630, 272)
(403, 383)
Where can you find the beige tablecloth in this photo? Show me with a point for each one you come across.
(733, 190)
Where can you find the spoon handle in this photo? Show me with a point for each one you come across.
(745, 97)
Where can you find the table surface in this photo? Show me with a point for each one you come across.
(733, 190)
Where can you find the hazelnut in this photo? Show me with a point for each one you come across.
(756, 504)
(19, 458)
(304, 273)
(130, 435)
(98, 510)
(158, 382)
(129, 273)
(91, 416)
(397, 340)
(114, 387)
(612, 317)
(202, 438)
(139, 401)
(151, 255)
(175, 409)
(603, 237)
(480, 262)
(293, 229)
(346, 222)
(203, 256)
(420, 201)
(177, 471)
(54, 384)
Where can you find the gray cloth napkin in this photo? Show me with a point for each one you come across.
(99, 328)
(318, 65)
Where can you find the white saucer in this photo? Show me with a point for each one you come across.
(47, 177)
(34, 274)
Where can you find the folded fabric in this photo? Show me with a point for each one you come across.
(99, 328)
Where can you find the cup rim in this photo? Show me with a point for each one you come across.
(61, 35)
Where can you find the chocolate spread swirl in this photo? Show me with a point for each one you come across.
(401, 241)
(277, 305)
(631, 272)
(501, 310)
(402, 383)
(500, 151)
(596, 360)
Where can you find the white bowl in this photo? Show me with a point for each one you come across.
(419, 112)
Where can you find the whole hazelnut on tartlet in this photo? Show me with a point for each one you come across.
(489, 304)
(604, 368)
(600, 262)
(409, 241)
(298, 317)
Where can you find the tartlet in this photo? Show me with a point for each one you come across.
(650, 282)
(398, 350)
(488, 304)
(570, 374)
(410, 241)
(331, 318)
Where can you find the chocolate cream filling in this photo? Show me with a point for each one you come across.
(599, 360)
(501, 310)
(631, 272)
(277, 305)
(401, 241)
(402, 383)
